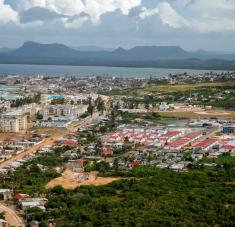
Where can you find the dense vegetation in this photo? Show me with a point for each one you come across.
(213, 94)
(26, 100)
(146, 196)
(153, 117)
(152, 198)
(226, 160)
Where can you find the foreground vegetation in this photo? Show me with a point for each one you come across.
(199, 197)
(152, 198)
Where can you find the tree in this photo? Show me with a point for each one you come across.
(115, 164)
(100, 104)
(90, 109)
(2, 215)
(39, 116)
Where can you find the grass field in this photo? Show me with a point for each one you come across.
(179, 87)
(166, 88)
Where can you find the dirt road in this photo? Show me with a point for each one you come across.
(11, 217)
(48, 141)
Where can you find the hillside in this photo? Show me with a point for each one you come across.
(140, 56)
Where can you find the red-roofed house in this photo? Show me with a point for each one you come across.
(134, 163)
(206, 144)
(21, 196)
(70, 143)
(107, 152)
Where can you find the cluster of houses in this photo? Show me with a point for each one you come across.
(161, 137)
(17, 145)
(166, 145)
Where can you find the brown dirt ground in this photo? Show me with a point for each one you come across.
(195, 114)
(68, 181)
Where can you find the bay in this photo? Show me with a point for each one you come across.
(83, 71)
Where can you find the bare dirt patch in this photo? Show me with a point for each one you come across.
(212, 113)
(69, 180)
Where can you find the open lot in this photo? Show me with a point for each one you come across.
(221, 114)
(69, 181)
(180, 87)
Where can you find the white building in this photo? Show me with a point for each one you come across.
(13, 122)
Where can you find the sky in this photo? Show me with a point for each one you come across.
(191, 24)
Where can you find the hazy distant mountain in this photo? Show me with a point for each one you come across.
(92, 48)
(140, 56)
(43, 50)
(5, 49)
(150, 53)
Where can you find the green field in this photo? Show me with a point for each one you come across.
(168, 88)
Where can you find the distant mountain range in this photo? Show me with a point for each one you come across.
(140, 56)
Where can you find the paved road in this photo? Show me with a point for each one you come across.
(11, 217)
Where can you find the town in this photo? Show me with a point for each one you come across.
(75, 131)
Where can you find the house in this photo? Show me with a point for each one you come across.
(206, 144)
(21, 196)
(75, 165)
(34, 223)
(3, 223)
(6, 194)
(133, 164)
(107, 152)
(70, 143)
(27, 203)
(178, 166)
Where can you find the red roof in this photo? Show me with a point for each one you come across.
(193, 135)
(184, 140)
(107, 152)
(171, 134)
(179, 143)
(21, 196)
(229, 147)
(206, 143)
(80, 161)
(135, 163)
(70, 143)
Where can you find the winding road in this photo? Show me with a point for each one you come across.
(11, 217)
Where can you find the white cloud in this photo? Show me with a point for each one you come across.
(201, 16)
(76, 23)
(7, 14)
(148, 12)
(170, 17)
(94, 8)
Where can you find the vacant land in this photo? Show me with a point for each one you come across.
(196, 114)
(69, 180)
(179, 87)
(168, 88)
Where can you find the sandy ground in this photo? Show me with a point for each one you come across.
(212, 113)
(11, 217)
(68, 180)
(200, 113)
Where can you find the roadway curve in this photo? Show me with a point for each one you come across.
(11, 217)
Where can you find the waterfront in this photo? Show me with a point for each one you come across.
(60, 70)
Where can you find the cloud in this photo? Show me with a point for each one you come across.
(119, 22)
(148, 12)
(7, 14)
(170, 17)
(94, 8)
(198, 15)
(39, 14)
